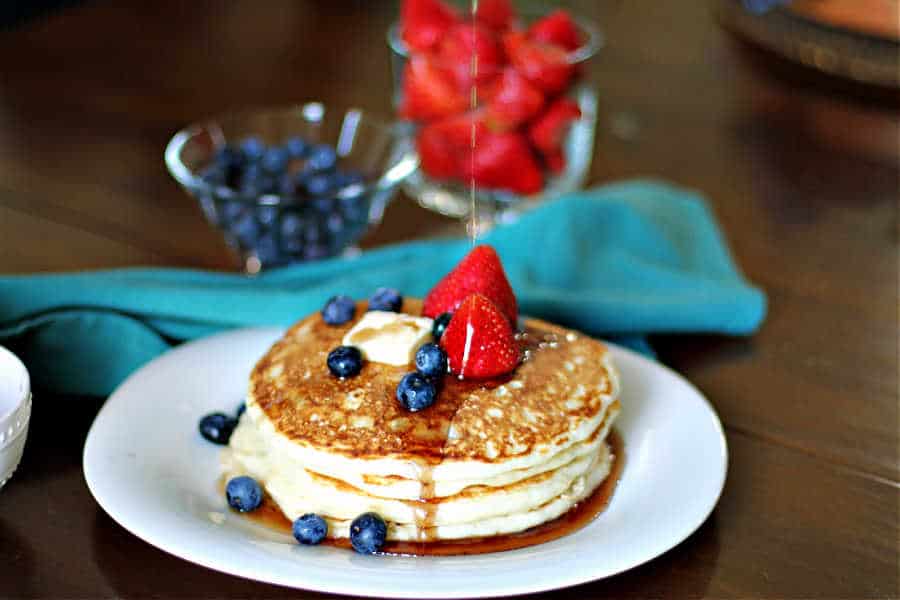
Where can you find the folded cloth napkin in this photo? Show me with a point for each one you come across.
(626, 259)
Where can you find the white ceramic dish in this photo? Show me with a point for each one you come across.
(151, 471)
(15, 412)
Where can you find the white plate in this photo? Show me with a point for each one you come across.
(151, 471)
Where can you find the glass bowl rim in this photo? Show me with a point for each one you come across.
(595, 40)
(192, 181)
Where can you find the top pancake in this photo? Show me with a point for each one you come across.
(554, 399)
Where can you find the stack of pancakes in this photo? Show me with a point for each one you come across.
(488, 458)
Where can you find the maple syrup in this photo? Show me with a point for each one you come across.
(577, 517)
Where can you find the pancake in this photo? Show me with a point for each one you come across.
(489, 456)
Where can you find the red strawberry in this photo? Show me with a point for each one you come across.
(445, 146)
(515, 101)
(545, 65)
(479, 341)
(479, 272)
(428, 92)
(424, 22)
(463, 44)
(556, 28)
(555, 162)
(496, 14)
(505, 161)
(548, 131)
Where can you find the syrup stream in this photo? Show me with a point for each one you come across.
(473, 208)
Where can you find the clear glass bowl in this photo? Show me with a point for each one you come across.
(272, 229)
(455, 198)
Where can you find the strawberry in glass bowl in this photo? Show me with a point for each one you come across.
(499, 101)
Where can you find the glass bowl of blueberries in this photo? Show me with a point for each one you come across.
(292, 184)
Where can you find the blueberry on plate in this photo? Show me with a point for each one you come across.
(440, 325)
(416, 392)
(217, 427)
(387, 299)
(345, 361)
(368, 532)
(243, 494)
(338, 310)
(310, 529)
(431, 360)
(322, 158)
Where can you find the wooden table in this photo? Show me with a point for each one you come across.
(803, 180)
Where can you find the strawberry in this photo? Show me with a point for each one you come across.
(548, 131)
(515, 101)
(555, 162)
(496, 14)
(480, 271)
(445, 146)
(556, 28)
(465, 43)
(424, 22)
(479, 341)
(428, 92)
(505, 161)
(545, 65)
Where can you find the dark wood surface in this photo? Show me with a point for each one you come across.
(804, 181)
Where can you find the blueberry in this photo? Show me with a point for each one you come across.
(338, 310)
(245, 229)
(431, 360)
(228, 157)
(335, 223)
(217, 427)
(253, 149)
(266, 250)
(322, 158)
(291, 225)
(241, 409)
(310, 529)
(315, 251)
(345, 361)
(368, 532)
(416, 392)
(440, 325)
(387, 299)
(296, 147)
(243, 494)
(214, 175)
(232, 211)
(275, 160)
(323, 205)
(266, 215)
(287, 185)
(319, 185)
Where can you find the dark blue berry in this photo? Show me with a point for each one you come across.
(440, 325)
(387, 299)
(228, 157)
(266, 215)
(266, 250)
(335, 223)
(368, 532)
(322, 158)
(345, 361)
(416, 392)
(217, 427)
(243, 494)
(319, 185)
(291, 225)
(338, 310)
(275, 160)
(309, 529)
(245, 229)
(431, 360)
(253, 149)
(296, 147)
(241, 409)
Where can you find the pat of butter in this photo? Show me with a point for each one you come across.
(389, 337)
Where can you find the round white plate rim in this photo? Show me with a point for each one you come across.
(181, 547)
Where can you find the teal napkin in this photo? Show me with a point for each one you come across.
(619, 260)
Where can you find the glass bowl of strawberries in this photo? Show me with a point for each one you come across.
(501, 109)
